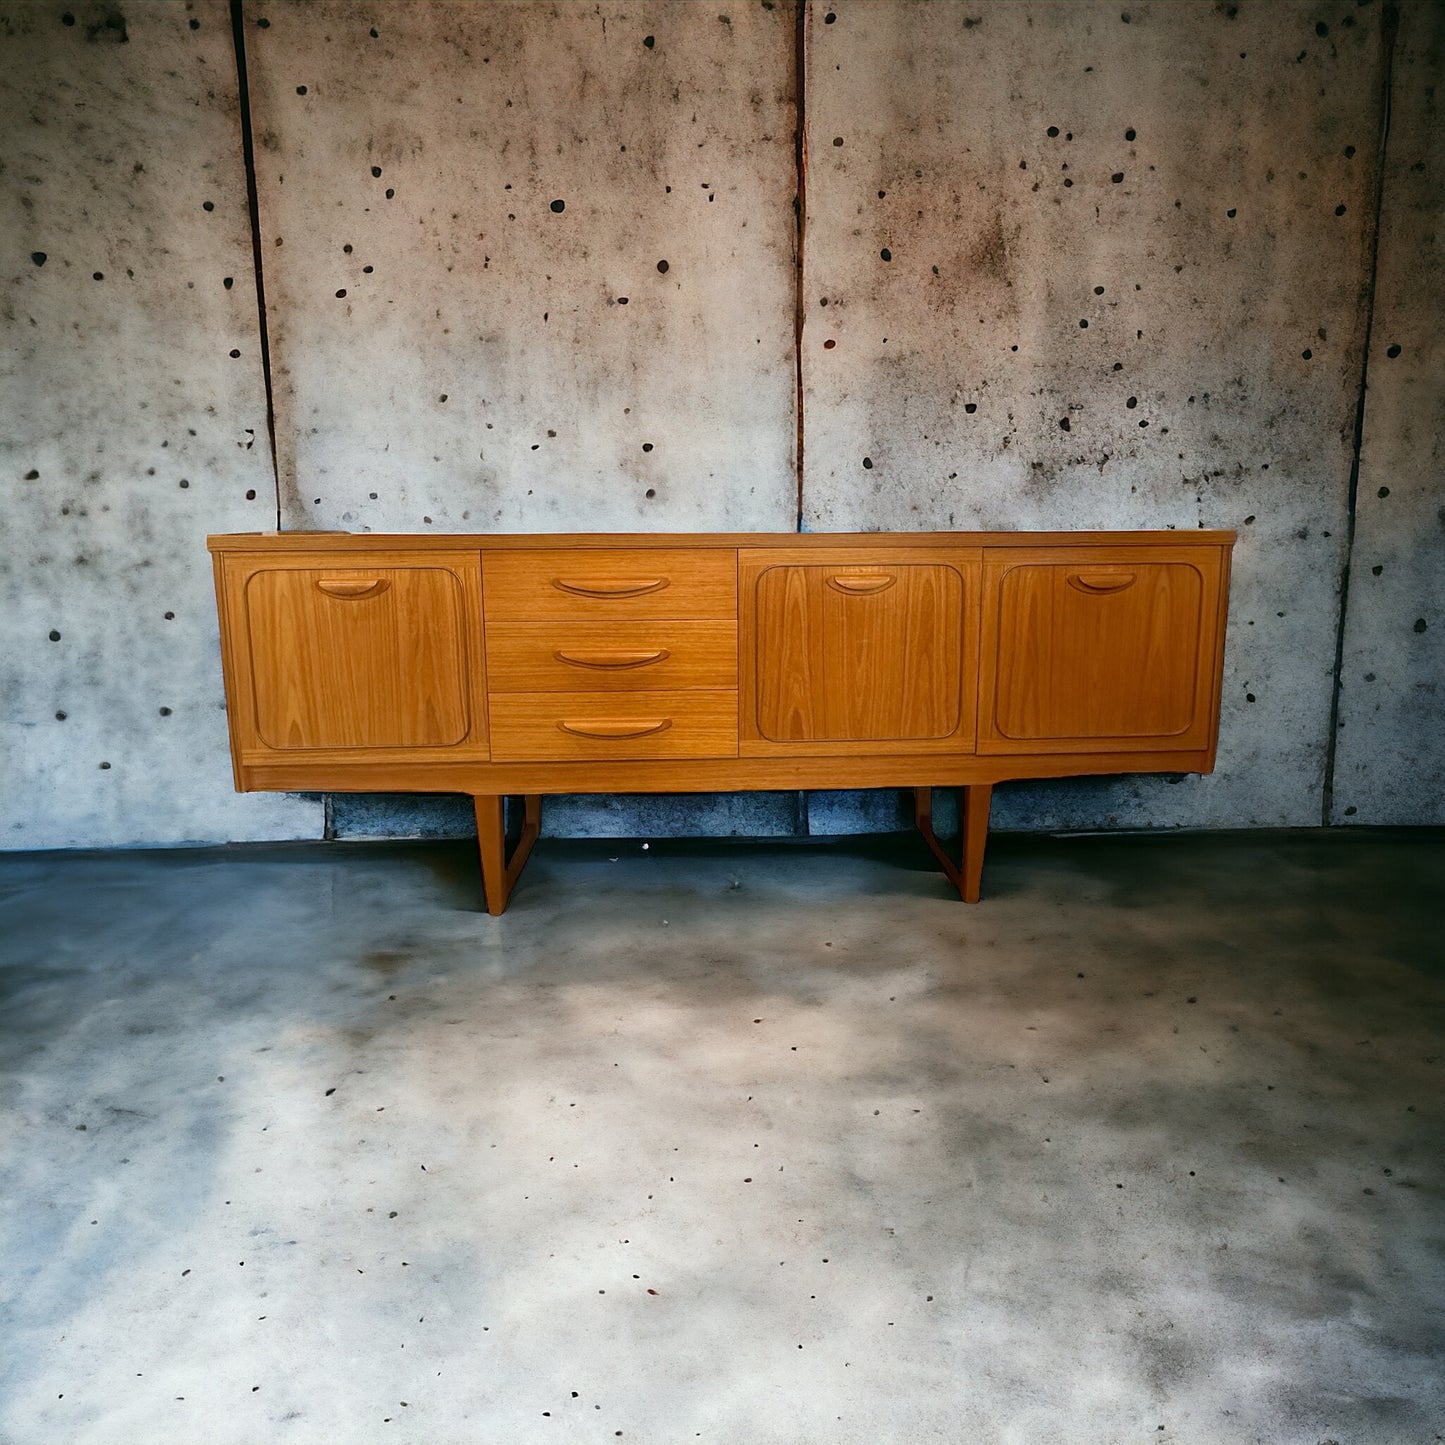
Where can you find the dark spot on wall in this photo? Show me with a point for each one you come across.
(837, 140)
(559, 206)
(829, 344)
(1129, 134)
(374, 32)
(390, 193)
(970, 407)
(1083, 324)
(341, 293)
(1231, 213)
(651, 492)
(1249, 520)
(183, 484)
(867, 464)
(1376, 570)
(662, 267)
(649, 41)
(165, 712)
(1383, 492)
(1339, 210)
(263, 24)
(1098, 290)
(32, 475)
(1420, 624)
(97, 275)
(1321, 29)
(300, 90)
(886, 254)
(228, 282)
(39, 257)
(54, 635)
(195, 24)
(1306, 354)
(105, 768)
(208, 205)
(647, 446)
(1392, 351)
(1117, 177)
(67, 18)
(1125, 16)
(829, 18)
(367, 270)
(376, 172)
(60, 716)
(1064, 424)
(1349, 152)
(234, 353)
(1052, 131)
(251, 494)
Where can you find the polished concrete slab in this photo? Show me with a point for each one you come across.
(743, 1143)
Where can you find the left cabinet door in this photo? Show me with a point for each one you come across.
(341, 653)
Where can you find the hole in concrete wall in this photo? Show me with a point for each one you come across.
(559, 206)
(662, 267)
(1392, 351)
(39, 257)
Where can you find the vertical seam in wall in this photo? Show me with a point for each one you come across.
(248, 154)
(800, 211)
(1389, 28)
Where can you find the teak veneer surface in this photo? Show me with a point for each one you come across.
(493, 665)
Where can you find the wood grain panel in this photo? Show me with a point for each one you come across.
(612, 726)
(1086, 650)
(372, 658)
(859, 649)
(599, 584)
(611, 656)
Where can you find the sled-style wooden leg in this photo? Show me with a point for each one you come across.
(500, 873)
(973, 805)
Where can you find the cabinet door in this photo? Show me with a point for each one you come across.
(356, 657)
(1100, 650)
(858, 650)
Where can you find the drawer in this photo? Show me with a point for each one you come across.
(576, 726)
(599, 583)
(611, 656)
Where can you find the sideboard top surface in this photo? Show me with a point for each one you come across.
(460, 541)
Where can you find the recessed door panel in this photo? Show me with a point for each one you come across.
(860, 652)
(358, 658)
(1098, 652)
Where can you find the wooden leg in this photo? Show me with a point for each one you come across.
(500, 873)
(973, 829)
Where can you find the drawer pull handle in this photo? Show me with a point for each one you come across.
(614, 730)
(335, 587)
(1101, 586)
(613, 661)
(858, 585)
(610, 589)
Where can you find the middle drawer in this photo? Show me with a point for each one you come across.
(610, 656)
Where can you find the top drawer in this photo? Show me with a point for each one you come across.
(593, 584)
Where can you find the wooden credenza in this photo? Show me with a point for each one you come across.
(528, 665)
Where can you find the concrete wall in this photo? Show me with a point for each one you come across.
(1390, 758)
(450, 352)
(134, 423)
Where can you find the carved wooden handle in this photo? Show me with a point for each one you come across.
(634, 588)
(856, 584)
(352, 588)
(605, 729)
(1099, 586)
(613, 661)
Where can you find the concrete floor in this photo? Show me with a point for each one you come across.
(742, 1143)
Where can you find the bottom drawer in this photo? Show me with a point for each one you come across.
(576, 726)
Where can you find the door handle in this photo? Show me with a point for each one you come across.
(1101, 586)
(613, 661)
(856, 585)
(352, 588)
(631, 588)
(613, 730)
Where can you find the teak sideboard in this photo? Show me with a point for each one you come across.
(528, 665)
